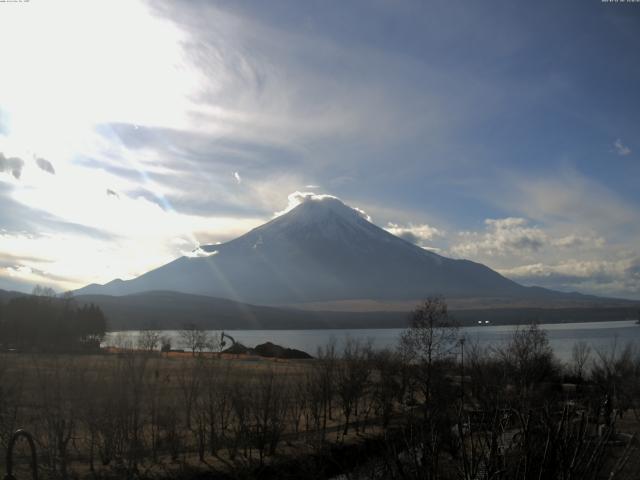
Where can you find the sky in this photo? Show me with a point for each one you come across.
(508, 133)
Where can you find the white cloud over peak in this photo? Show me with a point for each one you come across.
(297, 198)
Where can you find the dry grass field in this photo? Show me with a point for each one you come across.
(412, 413)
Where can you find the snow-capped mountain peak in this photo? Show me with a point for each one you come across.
(320, 249)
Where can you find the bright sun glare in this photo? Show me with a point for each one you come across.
(72, 72)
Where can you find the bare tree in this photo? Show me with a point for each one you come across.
(387, 384)
(217, 403)
(268, 414)
(296, 393)
(149, 340)
(430, 339)
(315, 413)
(195, 338)
(40, 291)
(528, 360)
(11, 400)
(353, 373)
(325, 376)
(59, 381)
(429, 345)
(580, 353)
(165, 344)
(613, 373)
(190, 376)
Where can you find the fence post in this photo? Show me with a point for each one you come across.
(34, 461)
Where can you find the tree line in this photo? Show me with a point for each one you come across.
(44, 321)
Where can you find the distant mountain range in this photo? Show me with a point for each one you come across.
(173, 310)
(325, 251)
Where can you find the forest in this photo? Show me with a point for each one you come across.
(44, 322)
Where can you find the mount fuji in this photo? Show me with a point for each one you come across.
(321, 251)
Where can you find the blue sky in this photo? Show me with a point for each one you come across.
(504, 132)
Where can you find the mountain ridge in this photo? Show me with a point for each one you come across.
(321, 250)
(165, 310)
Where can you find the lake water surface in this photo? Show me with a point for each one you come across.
(562, 336)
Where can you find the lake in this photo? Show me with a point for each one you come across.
(562, 336)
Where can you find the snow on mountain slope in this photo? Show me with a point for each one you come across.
(321, 250)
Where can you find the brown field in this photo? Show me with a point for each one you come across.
(508, 413)
(130, 413)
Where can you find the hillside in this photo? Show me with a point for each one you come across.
(171, 310)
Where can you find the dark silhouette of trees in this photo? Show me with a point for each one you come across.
(45, 322)
(352, 378)
(528, 360)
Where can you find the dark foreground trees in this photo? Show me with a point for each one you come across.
(45, 322)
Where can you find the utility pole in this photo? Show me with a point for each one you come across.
(462, 340)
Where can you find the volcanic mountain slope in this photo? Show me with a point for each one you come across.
(322, 250)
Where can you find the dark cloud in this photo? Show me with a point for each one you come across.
(46, 165)
(409, 237)
(11, 165)
(633, 272)
(526, 243)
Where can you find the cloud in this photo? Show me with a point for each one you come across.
(566, 197)
(19, 270)
(620, 148)
(363, 214)
(570, 271)
(11, 165)
(550, 256)
(418, 234)
(297, 198)
(577, 241)
(502, 237)
(45, 165)
(236, 175)
(633, 271)
(515, 240)
(198, 253)
(593, 276)
(25, 274)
